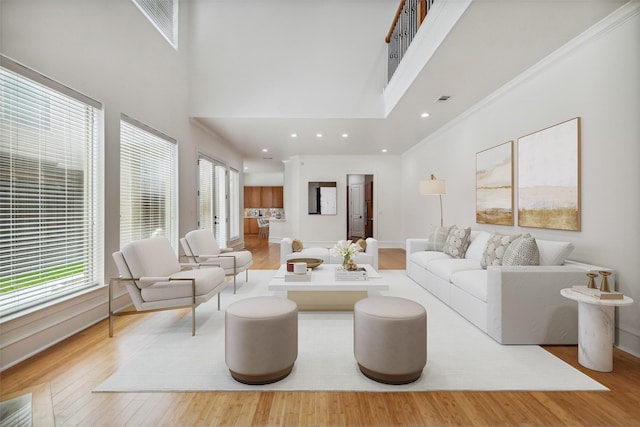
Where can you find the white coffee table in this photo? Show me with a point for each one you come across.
(324, 292)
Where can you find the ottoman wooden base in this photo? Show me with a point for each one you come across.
(261, 339)
(261, 379)
(389, 378)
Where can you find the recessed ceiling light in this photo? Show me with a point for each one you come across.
(294, 135)
(345, 135)
(264, 150)
(424, 115)
(384, 150)
(318, 135)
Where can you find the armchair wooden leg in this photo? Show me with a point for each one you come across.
(218, 301)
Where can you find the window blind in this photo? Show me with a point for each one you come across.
(220, 183)
(148, 183)
(205, 194)
(163, 14)
(234, 204)
(50, 245)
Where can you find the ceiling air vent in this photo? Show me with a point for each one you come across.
(443, 98)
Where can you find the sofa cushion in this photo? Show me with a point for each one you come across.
(423, 258)
(553, 252)
(457, 241)
(362, 243)
(522, 251)
(496, 246)
(437, 238)
(477, 244)
(444, 268)
(207, 279)
(473, 282)
(322, 253)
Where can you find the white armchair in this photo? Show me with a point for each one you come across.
(156, 280)
(201, 247)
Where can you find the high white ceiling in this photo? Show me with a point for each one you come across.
(493, 42)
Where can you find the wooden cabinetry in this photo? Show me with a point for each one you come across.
(250, 226)
(266, 197)
(252, 197)
(277, 197)
(263, 197)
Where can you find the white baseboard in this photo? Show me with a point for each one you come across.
(628, 342)
(27, 335)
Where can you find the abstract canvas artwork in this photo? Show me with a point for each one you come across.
(549, 177)
(494, 185)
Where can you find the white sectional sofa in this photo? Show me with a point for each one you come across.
(368, 256)
(513, 304)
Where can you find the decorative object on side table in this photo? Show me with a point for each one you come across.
(604, 285)
(347, 249)
(592, 280)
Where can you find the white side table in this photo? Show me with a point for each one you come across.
(595, 329)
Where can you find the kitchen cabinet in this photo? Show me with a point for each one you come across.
(277, 197)
(266, 197)
(252, 197)
(263, 197)
(250, 226)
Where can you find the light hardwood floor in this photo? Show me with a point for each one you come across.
(61, 380)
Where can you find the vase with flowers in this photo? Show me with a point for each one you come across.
(347, 250)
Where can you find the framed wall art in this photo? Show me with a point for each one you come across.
(494, 185)
(549, 177)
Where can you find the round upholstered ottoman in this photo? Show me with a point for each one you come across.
(390, 339)
(261, 339)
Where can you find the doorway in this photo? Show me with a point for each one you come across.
(359, 206)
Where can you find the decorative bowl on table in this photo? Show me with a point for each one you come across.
(311, 262)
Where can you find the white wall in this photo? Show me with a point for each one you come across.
(273, 179)
(326, 229)
(595, 77)
(336, 44)
(108, 51)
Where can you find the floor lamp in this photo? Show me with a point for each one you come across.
(433, 187)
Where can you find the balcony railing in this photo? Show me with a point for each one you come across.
(409, 16)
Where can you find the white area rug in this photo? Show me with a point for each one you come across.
(459, 356)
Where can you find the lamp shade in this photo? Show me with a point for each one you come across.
(432, 187)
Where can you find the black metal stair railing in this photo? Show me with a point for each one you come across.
(409, 16)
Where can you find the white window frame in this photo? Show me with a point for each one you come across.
(148, 183)
(163, 15)
(51, 191)
(214, 200)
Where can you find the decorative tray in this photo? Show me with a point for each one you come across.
(311, 262)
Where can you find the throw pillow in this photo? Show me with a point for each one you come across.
(477, 245)
(363, 244)
(457, 242)
(437, 238)
(296, 245)
(522, 251)
(494, 252)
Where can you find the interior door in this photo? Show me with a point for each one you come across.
(357, 210)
